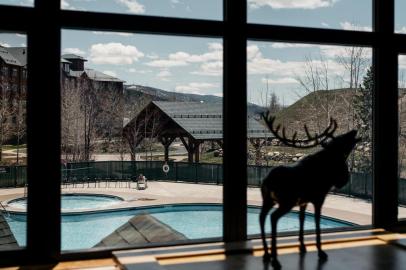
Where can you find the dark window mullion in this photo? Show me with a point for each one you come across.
(139, 23)
(43, 133)
(309, 35)
(235, 121)
(385, 120)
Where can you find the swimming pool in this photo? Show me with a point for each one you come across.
(75, 201)
(195, 221)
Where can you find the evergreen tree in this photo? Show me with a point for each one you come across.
(363, 119)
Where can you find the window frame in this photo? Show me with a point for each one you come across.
(43, 107)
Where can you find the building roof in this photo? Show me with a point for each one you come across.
(100, 76)
(20, 53)
(73, 56)
(94, 75)
(204, 121)
(8, 58)
(65, 61)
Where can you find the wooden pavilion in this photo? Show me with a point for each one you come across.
(192, 122)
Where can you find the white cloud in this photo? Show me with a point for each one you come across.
(114, 54)
(110, 72)
(215, 46)
(65, 4)
(21, 35)
(152, 56)
(285, 80)
(325, 24)
(74, 51)
(113, 33)
(180, 58)
(402, 30)
(210, 69)
(279, 45)
(354, 27)
(142, 71)
(253, 52)
(164, 74)
(166, 63)
(195, 87)
(342, 51)
(291, 4)
(133, 6)
(258, 65)
(4, 44)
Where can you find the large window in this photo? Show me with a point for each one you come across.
(135, 106)
(47, 164)
(306, 84)
(13, 141)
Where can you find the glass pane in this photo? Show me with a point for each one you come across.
(141, 128)
(402, 137)
(302, 84)
(13, 147)
(194, 9)
(400, 18)
(24, 3)
(342, 14)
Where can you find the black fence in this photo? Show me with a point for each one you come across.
(360, 184)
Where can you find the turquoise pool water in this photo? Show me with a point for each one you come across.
(75, 201)
(81, 231)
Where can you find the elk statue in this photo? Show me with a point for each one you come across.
(306, 181)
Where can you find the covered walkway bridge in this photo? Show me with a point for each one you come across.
(192, 122)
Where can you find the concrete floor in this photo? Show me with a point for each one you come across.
(349, 209)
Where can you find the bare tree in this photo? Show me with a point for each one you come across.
(20, 122)
(72, 119)
(134, 129)
(7, 111)
(316, 81)
(402, 118)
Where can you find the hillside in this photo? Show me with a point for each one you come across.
(316, 108)
(133, 93)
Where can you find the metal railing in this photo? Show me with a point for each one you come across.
(118, 172)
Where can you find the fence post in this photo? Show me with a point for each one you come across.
(176, 171)
(196, 176)
(15, 175)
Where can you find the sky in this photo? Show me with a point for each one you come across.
(194, 65)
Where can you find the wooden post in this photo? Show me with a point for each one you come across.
(197, 152)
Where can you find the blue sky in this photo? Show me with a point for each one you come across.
(194, 65)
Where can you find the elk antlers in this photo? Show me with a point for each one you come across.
(310, 142)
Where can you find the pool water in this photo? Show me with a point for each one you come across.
(76, 202)
(81, 231)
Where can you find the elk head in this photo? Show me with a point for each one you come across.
(311, 141)
(339, 146)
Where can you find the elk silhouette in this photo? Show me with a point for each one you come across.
(306, 181)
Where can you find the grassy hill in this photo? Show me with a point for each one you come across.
(315, 110)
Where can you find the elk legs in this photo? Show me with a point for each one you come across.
(317, 213)
(282, 210)
(266, 207)
(301, 222)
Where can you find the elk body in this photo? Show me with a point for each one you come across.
(306, 181)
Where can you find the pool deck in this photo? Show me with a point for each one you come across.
(345, 208)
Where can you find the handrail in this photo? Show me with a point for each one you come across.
(4, 209)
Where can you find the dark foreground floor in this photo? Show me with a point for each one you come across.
(378, 251)
(379, 257)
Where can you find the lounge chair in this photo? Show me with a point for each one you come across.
(142, 182)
